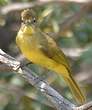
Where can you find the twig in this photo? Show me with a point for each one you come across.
(87, 106)
(57, 100)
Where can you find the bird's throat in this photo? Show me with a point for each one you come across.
(27, 29)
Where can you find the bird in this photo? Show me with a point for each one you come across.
(41, 49)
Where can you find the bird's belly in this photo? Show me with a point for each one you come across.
(35, 56)
(32, 54)
(38, 58)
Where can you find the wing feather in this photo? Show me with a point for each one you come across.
(51, 50)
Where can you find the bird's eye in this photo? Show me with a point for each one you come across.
(34, 20)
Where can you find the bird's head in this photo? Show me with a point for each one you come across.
(28, 17)
(28, 21)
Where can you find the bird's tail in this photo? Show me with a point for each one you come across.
(78, 95)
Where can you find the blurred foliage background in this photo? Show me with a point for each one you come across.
(71, 27)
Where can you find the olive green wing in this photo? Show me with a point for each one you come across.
(51, 50)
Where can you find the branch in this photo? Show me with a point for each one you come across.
(68, 22)
(56, 99)
(20, 6)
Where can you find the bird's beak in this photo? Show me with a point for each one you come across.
(27, 22)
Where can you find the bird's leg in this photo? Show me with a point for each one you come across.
(26, 64)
